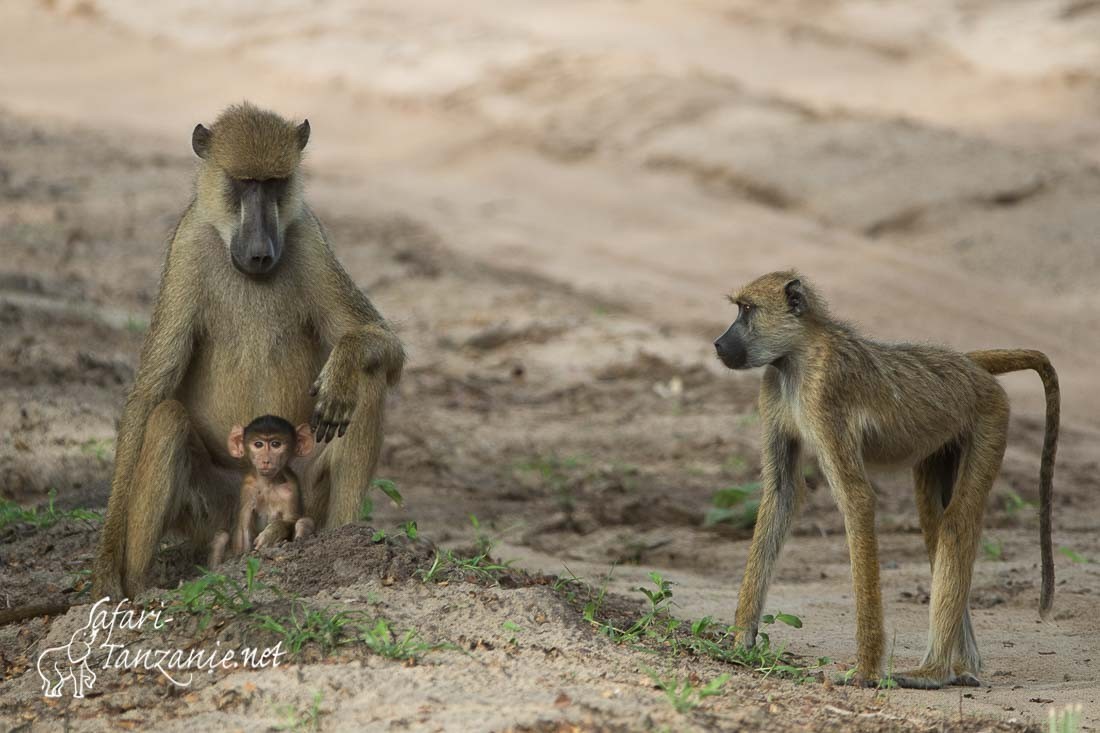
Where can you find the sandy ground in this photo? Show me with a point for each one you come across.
(550, 200)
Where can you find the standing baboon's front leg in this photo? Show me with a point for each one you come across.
(843, 468)
(783, 489)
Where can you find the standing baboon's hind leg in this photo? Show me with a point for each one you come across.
(952, 656)
(341, 476)
(934, 480)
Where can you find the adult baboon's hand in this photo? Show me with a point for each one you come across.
(337, 392)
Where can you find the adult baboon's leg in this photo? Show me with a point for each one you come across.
(952, 656)
(783, 490)
(349, 462)
(171, 481)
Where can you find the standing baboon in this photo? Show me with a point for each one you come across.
(857, 402)
(254, 316)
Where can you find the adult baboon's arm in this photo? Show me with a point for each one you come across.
(360, 340)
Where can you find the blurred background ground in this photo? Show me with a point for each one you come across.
(550, 200)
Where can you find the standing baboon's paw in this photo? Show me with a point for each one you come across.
(966, 679)
(920, 679)
(746, 639)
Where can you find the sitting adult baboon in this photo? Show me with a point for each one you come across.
(254, 316)
(858, 402)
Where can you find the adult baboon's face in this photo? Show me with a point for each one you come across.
(768, 324)
(253, 184)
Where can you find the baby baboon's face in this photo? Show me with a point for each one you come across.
(768, 323)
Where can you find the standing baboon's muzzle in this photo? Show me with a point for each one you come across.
(257, 246)
(731, 348)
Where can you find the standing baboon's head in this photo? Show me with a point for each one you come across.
(771, 319)
(249, 187)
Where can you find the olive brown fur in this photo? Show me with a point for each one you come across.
(254, 316)
(858, 403)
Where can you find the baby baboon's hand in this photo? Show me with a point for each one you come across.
(272, 534)
(337, 391)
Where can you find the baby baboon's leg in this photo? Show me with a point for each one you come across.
(304, 527)
(164, 483)
(782, 493)
(952, 654)
(349, 461)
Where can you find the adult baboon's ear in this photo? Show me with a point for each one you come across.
(235, 443)
(200, 141)
(303, 135)
(303, 440)
(796, 297)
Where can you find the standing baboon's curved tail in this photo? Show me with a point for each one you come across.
(1001, 361)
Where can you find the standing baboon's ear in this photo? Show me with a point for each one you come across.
(200, 141)
(303, 135)
(303, 440)
(796, 297)
(235, 443)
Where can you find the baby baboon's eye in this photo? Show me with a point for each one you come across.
(258, 444)
(276, 443)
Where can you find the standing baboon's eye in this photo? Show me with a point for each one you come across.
(743, 310)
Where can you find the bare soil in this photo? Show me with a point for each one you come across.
(550, 206)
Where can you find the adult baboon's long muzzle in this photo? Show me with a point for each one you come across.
(256, 246)
(731, 348)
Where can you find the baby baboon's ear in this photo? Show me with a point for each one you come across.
(303, 440)
(796, 297)
(200, 141)
(303, 135)
(235, 442)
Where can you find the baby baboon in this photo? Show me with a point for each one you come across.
(271, 499)
(254, 316)
(858, 402)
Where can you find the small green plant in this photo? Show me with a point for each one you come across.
(683, 695)
(410, 530)
(12, 513)
(101, 449)
(366, 509)
(1013, 503)
(389, 488)
(304, 720)
(555, 473)
(303, 625)
(136, 324)
(513, 628)
(1064, 721)
(201, 596)
(381, 640)
(484, 542)
(736, 505)
(992, 548)
(1073, 555)
(378, 536)
(481, 566)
